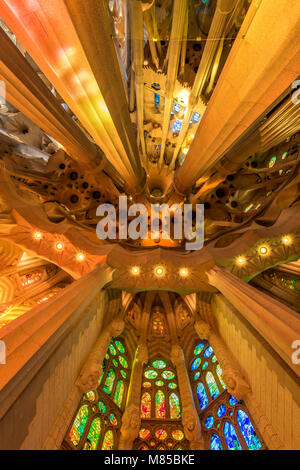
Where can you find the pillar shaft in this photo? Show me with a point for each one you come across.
(278, 324)
(260, 67)
(190, 418)
(131, 420)
(231, 374)
(72, 43)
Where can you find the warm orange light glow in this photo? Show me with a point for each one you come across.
(37, 236)
(286, 240)
(59, 246)
(80, 257)
(241, 260)
(135, 270)
(159, 271)
(263, 250)
(184, 272)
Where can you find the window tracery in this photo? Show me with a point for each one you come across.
(97, 422)
(226, 422)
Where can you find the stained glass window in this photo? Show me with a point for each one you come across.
(196, 363)
(248, 431)
(232, 440)
(108, 441)
(215, 442)
(174, 406)
(146, 406)
(119, 393)
(219, 372)
(202, 396)
(100, 409)
(213, 387)
(160, 405)
(198, 349)
(159, 364)
(209, 422)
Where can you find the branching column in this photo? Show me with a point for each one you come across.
(232, 376)
(131, 420)
(278, 324)
(190, 418)
(90, 374)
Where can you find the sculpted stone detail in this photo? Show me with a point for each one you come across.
(142, 353)
(232, 376)
(177, 354)
(192, 428)
(92, 370)
(131, 422)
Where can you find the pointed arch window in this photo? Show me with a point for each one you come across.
(98, 420)
(225, 421)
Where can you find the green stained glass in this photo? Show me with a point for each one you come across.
(112, 349)
(177, 435)
(106, 356)
(146, 384)
(196, 363)
(119, 393)
(283, 156)
(174, 406)
(93, 435)
(109, 381)
(144, 433)
(159, 364)
(102, 407)
(219, 372)
(90, 396)
(108, 441)
(196, 376)
(101, 376)
(146, 406)
(120, 346)
(212, 385)
(79, 425)
(113, 419)
(161, 434)
(172, 385)
(159, 383)
(214, 359)
(123, 373)
(198, 349)
(150, 374)
(123, 362)
(168, 375)
(160, 405)
(205, 365)
(272, 161)
(115, 363)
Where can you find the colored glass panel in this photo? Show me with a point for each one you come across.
(215, 442)
(231, 438)
(202, 396)
(159, 383)
(93, 435)
(113, 419)
(221, 411)
(119, 393)
(208, 352)
(79, 425)
(150, 374)
(146, 406)
(177, 435)
(123, 362)
(115, 363)
(249, 434)
(196, 363)
(120, 346)
(112, 349)
(172, 385)
(205, 365)
(212, 385)
(168, 375)
(219, 372)
(209, 422)
(272, 161)
(214, 359)
(174, 406)
(144, 433)
(109, 381)
(161, 434)
(160, 405)
(108, 441)
(159, 364)
(196, 376)
(232, 401)
(123, 373)
(198, 349)
(146, 384)
(90, 396)
(102, 407)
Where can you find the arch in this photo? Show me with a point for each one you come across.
(215, 442)
(146, 406)
(231, 438)
(108, 441)
(119, 393)
(109, 381)
(247, 430)
(212, 385)
(93, 435)
(202, 396)
(219, 373)
(79, 425)
(160, 405)
(174, 404)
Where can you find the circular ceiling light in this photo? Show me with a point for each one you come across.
(59, 246)
(135, 270)
(241, 260)
(184, 272)
(159, 271)
(37, 236)
(263, 250)
(80, 257)
(286, 240)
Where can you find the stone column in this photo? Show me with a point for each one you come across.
(190, 418)
(248, 85)
(232, 376)
(131, 420)
(277, 323)
(90, 374)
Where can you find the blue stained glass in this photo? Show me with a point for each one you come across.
(196, 376)
(248, 431)
(221, 411)
(176, 107)
(156, 98)
(232, 401)
(177, 126)
(232, 440)
(196, 117)
(196, 363)
(212, 385)
(215, 442)
(209, 422)
(198, 349)
(208, 351)
(202, 396)
(205, 365)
